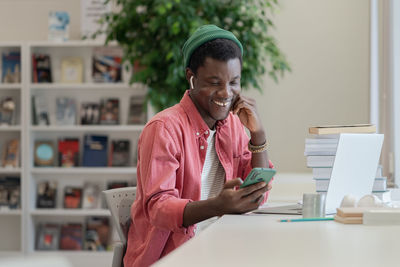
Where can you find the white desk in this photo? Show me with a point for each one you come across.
(260, 240)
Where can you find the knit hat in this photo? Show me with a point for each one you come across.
(202, 35)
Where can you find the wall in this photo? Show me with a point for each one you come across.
(326, 42)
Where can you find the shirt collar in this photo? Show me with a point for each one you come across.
(197, 122)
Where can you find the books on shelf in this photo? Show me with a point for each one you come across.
(107, 64)
(10, 157)
(109, 111)
(72, 70)
(41, 68)
(380, 185)
(90, 113)
(91, 196)
(65, 111)
(72, 197)
(117, 184)
(71, 236)
(11, 67)
(47, 236)
(44, 154)
(97, 233)
(46, 196)
(58, 29)
(95, 151)
(120, 153)
(337, 129)
(10, 193)
(40, 110)
(7, 110)
(68, 152)
(137, 110)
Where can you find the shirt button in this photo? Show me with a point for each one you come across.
(201, 147)
(197, 133)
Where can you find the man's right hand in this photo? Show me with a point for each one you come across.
(233, 199)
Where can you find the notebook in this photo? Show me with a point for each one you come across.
(353, 172)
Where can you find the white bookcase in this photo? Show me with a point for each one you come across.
(20, 225)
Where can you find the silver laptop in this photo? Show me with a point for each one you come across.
(354, 170)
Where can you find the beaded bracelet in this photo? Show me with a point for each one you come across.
(258, 149)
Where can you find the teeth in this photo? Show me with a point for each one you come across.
(221, 104)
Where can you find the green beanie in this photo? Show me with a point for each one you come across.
(202, 35)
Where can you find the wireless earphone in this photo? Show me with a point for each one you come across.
(191, 83)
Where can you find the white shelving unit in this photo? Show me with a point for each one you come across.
(18, 227)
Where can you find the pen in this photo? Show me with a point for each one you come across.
(308, 219)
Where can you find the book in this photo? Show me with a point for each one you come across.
(380, 184)
(7, 109)
(106, 66)
(71, 236)
(72, 197)
(41, 68)
(11, 67)
(90, 113)
(320, 161)
(68, 152)
(95, 151)
(10, 193)
(40, 110)
(109, 111)
(97, 236)
(58, 29)
(91, 196)
(65, 111)
(10, 158)
(119, 154)
(47, 236)
(117, 184)
(337, 129)
(137, 110)
(44, 154)
(72, 70)
(46, 196)
(321, 173)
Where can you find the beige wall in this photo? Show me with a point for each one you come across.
(326, 42)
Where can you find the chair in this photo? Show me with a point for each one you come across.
(119, 202)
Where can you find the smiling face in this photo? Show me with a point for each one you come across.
(215, 88)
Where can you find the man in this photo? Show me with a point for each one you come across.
(191, 155)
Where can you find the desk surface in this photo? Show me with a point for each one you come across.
(260, 240)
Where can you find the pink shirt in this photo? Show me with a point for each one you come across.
(171, 154)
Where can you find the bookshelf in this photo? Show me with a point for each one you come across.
(19, 227)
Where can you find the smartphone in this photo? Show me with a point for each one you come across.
(257, 175)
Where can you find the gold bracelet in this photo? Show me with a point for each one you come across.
(258, 149)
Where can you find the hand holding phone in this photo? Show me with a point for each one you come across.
(257, 175)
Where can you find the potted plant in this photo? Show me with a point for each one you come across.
(152, 32)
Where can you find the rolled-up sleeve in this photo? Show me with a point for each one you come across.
(159, 161)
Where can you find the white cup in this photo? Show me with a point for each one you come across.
(313, 205)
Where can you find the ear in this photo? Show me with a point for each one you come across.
(189, 73)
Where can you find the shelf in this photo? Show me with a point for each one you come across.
(70, 212)
(10, 212)
(10, 86)
(10, 170)
(88, 128)
(87, 86)
(10, 128)
(84, 170)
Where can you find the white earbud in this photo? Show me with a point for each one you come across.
(191, 83)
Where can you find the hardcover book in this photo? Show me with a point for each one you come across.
(95, 151)
(58, 26)
(107, 64)
(7, 108)
(97, 233)
(11, 67)
(46, 197)
(66, 111)
(47, 236)
(91, 196)
(137, 110)
(10, 158)
(40, 110)
(117, 184)
(44, 153)
(41, 69)
(68, 152)
(72, 70)
(109, 112)
(120, 152)
(72, 197)
(71, 236)
(337, 129)
(90, 113)
(10, 193)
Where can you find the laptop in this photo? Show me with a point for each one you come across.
(353, 172)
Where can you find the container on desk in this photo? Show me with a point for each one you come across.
(313, 205)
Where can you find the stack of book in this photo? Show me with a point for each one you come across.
(321, 150)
